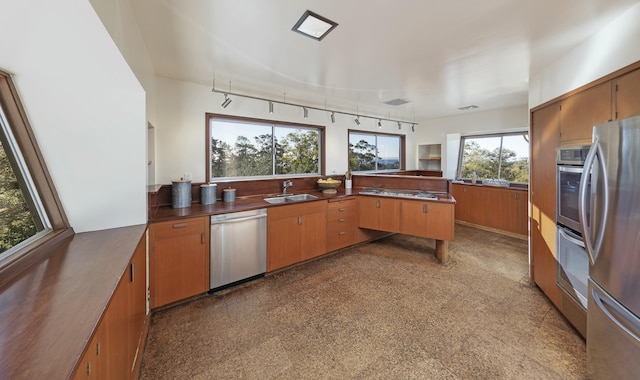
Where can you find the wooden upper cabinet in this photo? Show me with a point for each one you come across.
(178, 259)
(627, 95)
(581, 111)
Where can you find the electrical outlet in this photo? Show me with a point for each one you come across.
(187, 176)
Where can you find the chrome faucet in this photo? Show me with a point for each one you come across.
(286, 184)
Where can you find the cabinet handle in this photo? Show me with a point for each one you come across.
(464, 189)
(300, 219)
(378, 203)
(180, 225)
(341, 233)
(98, 348)
(342, 209)
(131, 270)
(341, 220)
(89, 369)
(517, 196)
(425, 208)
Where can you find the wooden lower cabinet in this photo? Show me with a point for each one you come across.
(178, 260)
(379, 213)
(427, 219)
(342, 227)
(295, 233)
(494, 207)
(115, 349)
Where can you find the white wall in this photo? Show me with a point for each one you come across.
(447, 130)
(610, 49)
(85, 105)
(180, 128)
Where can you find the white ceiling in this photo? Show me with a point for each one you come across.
(441, 55)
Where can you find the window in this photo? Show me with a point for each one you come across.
(497, 156)
(242, 147)
(375, 151)
(31, 215)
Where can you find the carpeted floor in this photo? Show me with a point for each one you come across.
(383, 310)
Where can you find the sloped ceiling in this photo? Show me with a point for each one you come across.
(440, 55)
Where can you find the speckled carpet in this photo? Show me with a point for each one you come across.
(383, 310)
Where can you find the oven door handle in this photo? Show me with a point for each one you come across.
(592, 248)
(571, 237)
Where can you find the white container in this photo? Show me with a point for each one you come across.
(348, 184)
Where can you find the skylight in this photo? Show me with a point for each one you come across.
(314, 26)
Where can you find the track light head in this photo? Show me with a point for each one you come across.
(379, 123)
(357, 121)
(305, 112)
(227, 101)
(270, 107)
(413, 127)
(333, 117)
(399, 125)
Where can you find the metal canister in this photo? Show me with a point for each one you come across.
(180, 194)
(229, 195)
(208, 193)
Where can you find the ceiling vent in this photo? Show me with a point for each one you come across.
(397, 102)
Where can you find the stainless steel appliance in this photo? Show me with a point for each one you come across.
(570, 165)
(572, 261)
(612, 239)
(238, 247)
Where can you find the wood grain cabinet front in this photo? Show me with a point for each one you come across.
(342, 227)
(427, 219)
(379, 213)
(627, 95)
(115, 349)
(178, 260)
(295, 233)
(581, 111)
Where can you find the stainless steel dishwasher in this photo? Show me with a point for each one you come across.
(238, 247)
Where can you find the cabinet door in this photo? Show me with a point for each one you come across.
(313, 232)
(179, 262)
(627, 95)
(439, 220)
(413, 218)
(283, 242)
(468, 207)
(580, 112)
(544, 139)
(137, 302)
(91, 364)
(379, 213)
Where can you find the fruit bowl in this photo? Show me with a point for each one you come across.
(328, 186)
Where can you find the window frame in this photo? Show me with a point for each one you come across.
(523, 132)
(40, 245)
(321, 148)
(403, 149)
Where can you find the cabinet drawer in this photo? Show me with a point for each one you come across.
(339, 225)
(340, 235)
(341, 203)
(287, 211)
(180, 227)
(341, 213)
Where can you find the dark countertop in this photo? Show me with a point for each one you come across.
(165, 213)
(48, 313)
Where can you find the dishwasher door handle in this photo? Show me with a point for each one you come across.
(234, 220)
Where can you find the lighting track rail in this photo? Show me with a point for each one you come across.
(305, 109)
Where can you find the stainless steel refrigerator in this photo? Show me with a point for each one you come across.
(611, 228)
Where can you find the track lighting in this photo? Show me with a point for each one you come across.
(413, 127)
(305, 108)
(227, 101)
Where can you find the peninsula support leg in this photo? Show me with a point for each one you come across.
(442, 251)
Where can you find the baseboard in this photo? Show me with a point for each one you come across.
(485, 228)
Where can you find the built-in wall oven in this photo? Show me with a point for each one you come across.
(573, 263)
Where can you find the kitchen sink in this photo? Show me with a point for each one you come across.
(290, 198)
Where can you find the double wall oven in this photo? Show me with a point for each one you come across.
(573, 262)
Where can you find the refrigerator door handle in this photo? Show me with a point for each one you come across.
(592, 248)
(606, 308)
